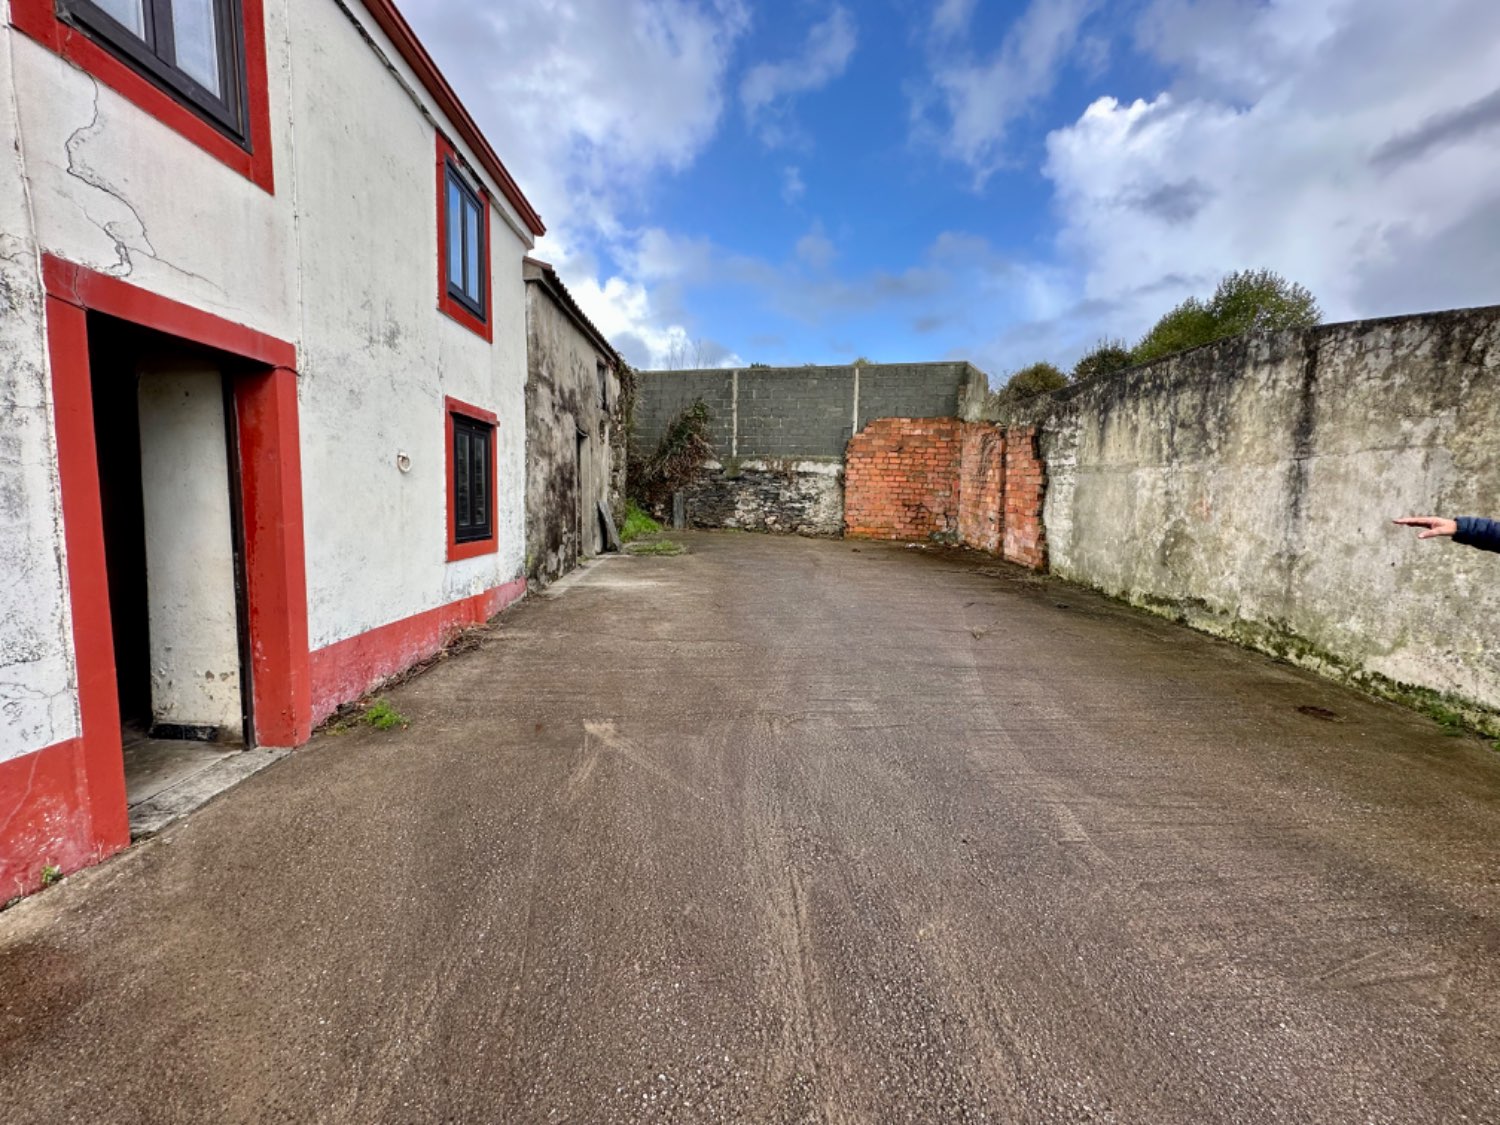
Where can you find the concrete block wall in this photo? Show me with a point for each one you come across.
(801, 412)
(797, 412)
(661, 396)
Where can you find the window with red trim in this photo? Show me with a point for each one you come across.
(197, 66)
(470, 436)
(463, 243)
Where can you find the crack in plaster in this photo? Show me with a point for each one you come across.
(114, 229)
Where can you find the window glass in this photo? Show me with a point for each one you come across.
(192, 48)
(196, 36)
(475, 260)
(461, 478)
(455, 234)
(473, 480)
(480, 475)
(130, 13)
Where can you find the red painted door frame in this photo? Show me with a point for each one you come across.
(271, 483)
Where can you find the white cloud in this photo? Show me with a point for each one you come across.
(768, 89)
(624, 312)
(975, 102)
(1351, 148)
(951, 18)
(586, 101)
(792, 187)
(815, 249)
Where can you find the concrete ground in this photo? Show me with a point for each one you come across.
(784, 831)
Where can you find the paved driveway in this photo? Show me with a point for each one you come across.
(784, 830)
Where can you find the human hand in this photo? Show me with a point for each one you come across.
(1436, 526)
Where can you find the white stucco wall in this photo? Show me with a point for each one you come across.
(378, 356)
(38, 702)
(195, 655)
(341, 260)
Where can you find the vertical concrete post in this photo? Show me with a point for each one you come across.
(855, 424)
(734, 413)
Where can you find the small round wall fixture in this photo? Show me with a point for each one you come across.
(403, 462)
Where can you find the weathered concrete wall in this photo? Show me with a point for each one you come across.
(570, 423)
(802, 412)
(194, 627)
(801, 497)
(1248, 488)
(38, 703)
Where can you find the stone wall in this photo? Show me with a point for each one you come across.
(1247, 488)
(801, 497)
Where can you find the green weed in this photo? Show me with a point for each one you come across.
(658, 547)
(382, 716)
(637, 523)
(51, 874)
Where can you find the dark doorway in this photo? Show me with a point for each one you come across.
(117, 437)
(581, 520)
(164, 438)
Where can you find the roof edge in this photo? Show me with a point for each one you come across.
(394, 24)
(538, 272)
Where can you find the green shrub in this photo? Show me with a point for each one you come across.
(1245, 301)
(678, 459)
(1034, 380)
(1104, 358)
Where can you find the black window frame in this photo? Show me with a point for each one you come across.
(465, 529)
(454, 177)
(154, 58)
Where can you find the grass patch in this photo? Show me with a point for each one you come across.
(382, 716)
(51, 874)
(638, 523)
(658, 547)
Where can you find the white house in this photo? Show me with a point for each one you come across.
(262, 374)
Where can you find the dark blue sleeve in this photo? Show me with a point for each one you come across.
(1475, 531)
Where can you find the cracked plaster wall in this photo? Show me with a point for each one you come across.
(341, 260)
(38, 700)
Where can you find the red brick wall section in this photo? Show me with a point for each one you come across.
(901, 479)
(981, 487)
(1025, 537)
(916, 479)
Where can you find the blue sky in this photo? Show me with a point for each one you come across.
(809, 181)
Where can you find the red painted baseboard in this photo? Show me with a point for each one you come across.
(346, 669)
(46, 818)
